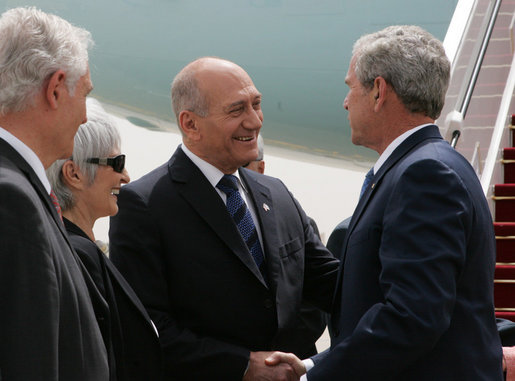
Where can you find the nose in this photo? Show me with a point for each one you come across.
(254, 120)
(125, 177)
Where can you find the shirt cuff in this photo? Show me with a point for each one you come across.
(309, 364)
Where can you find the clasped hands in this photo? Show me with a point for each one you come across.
(274, 366)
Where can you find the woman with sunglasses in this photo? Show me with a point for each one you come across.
(86, 186)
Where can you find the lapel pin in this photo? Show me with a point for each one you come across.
(266, 207)
(373, 185)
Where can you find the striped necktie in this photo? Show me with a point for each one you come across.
(55, 201)
(241, 216)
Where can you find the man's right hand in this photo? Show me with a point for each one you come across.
(278, 367)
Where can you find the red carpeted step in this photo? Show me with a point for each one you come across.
(505, 239)
(505, 272)
(505, 315)
(509, 168)
(504, 286)
(504, 202)
(505, 190)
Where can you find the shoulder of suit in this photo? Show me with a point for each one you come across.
(261, 178)
(144, 185)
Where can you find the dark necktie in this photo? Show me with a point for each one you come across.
(368, 180)
(56, 204)
(241, 216)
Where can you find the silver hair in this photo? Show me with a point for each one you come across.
(186, 94)
(98, 137)
(411, 60)
(33, 46)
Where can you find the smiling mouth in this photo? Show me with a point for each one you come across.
(244, 138)
(115, 191)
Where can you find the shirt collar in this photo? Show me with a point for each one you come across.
(394, 144)
(30, 157)
(212, 174)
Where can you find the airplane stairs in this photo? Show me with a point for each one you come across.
(504, 226)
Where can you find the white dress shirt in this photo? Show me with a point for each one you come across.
(30, 157)
(214, 175)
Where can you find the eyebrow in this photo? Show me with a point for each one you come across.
(241, 102)
(234, 104)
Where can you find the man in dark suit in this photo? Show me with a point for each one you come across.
(414, 299)
(48, 329)
(221, 267)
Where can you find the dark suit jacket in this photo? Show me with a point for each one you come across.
(48, 329)
(337, 237)
(312, 321)
(127, 330)
(506, 330)
(178, 247)
(415, 290)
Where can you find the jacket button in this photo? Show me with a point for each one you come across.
(268, 303)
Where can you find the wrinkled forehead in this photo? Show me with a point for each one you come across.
(224, 84)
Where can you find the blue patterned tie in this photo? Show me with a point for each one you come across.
(241, 216)
(366, 183)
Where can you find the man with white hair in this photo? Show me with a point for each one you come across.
(48, 329)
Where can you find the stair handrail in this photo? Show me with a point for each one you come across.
(455, 136)
(467, 95)
(500, 124)
(457, 28)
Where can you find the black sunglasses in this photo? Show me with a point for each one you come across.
(117, 162)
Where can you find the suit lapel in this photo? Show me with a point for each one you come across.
(20, 162)
(120, 281)
(263, 204)
(200, 194)
(23, 166)
(429, 132)
(406, 146)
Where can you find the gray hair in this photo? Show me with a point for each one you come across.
(98, 137)
(411, 60)
(186, 94)
(33, 46)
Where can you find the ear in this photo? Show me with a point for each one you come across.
(55, 87)
(72, 175)
(379, 92)
(261, 167)
(188, 125)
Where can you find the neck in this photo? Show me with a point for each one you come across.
(82, 219)
(30, 126)
(399, 126)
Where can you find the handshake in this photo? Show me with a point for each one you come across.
(279, 366)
